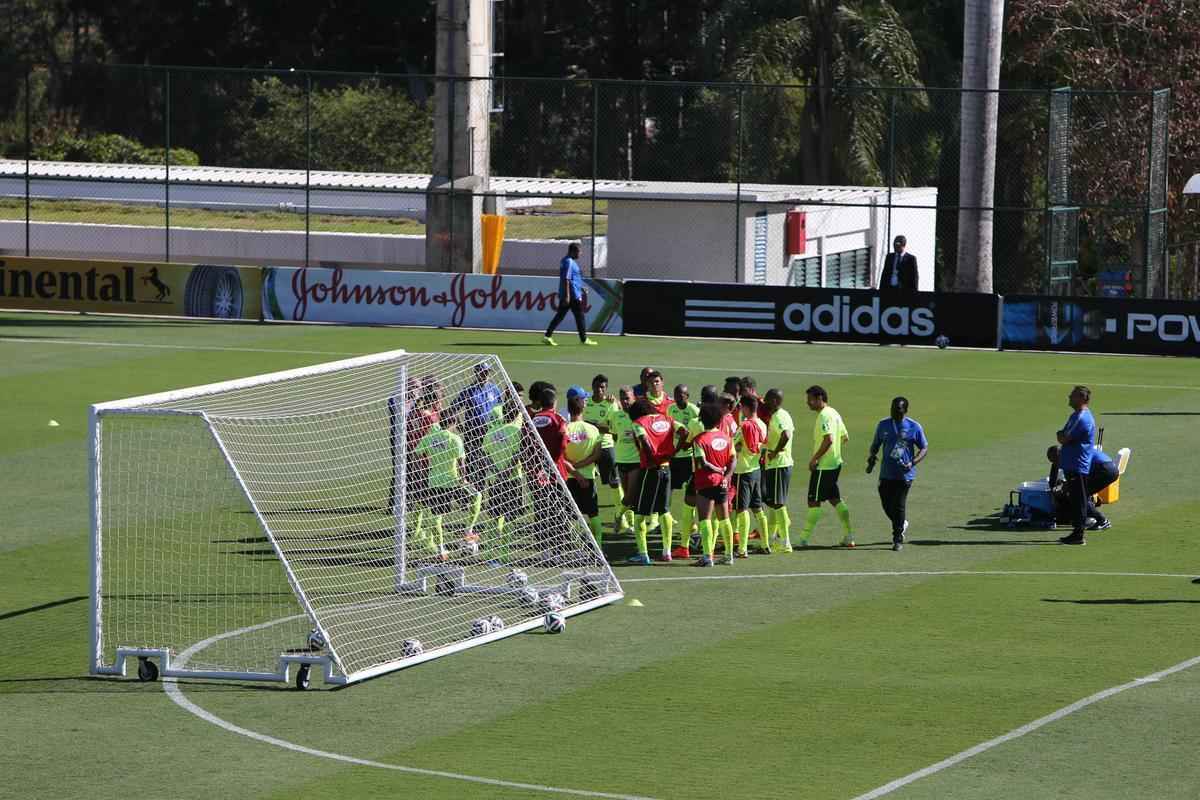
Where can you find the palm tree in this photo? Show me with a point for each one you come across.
(834, 130)
(982, 26)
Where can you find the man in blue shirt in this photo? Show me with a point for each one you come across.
(570, 297)
(904, 446)
(1078, 440)
(474, 406)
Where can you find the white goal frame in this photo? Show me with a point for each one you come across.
(406, 580)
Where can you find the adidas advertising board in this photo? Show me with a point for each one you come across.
(808, 314)
(1102, 325)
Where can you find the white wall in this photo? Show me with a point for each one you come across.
(674, 240)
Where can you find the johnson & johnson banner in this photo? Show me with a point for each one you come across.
(438, 299)
(129, 287)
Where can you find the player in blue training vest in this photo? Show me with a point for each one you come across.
(570, 297)
(904, 445)
(1078, 440)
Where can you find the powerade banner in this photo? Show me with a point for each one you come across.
(810, 314)
(438, 299)
(135, 287)
(1102, 325)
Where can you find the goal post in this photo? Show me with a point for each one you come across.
(358, 516)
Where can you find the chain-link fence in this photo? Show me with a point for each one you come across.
(728, 182)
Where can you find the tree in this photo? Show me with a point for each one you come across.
(977, 172)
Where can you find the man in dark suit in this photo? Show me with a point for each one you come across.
(899, 269)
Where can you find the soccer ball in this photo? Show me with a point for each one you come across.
(942, 341)
(469, 547)
(553, 602)
(412, 647)
(555, 622)
(495, 622)
(517, 579)
(480, 627)
(316, 639)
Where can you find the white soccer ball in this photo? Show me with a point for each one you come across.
(553, 601)
(555, 622)
(517, 579)
(412, 647)
(316, 639)
(496, 623)
(480, 627)
(469, 547)
(942, 341)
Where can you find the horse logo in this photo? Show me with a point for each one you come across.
(164, 291)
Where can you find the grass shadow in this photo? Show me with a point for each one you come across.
(32, 609)
(1117, 601)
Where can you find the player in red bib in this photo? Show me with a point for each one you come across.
(551, 426)
(552, 429)
(657, 437)
(750, 388)
(714, 456)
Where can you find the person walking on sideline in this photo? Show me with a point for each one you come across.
(904, 446)
(570, 297)
(899, 269)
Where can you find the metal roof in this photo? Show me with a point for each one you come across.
(380, 182)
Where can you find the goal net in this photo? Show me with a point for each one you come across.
(362, 515)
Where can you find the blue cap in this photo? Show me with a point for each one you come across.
(577, 391)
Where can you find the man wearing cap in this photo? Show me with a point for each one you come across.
(474, 406)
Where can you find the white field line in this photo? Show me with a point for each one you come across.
(623, 364)
(957, 758)
(917, 573)
(171, 687)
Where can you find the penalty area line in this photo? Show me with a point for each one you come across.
(1016, 733)
(173, 691)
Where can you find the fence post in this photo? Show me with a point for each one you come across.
(737, 201)
(595, 163)
(28, 153)
(167, 160)
(307, 163)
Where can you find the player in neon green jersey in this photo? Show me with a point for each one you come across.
(505, 481)
(687, 415)
(582, 453)
(444, 451)
(829, 434)
(628, 459)
(747, 474)
(777, 472)
(600, 409)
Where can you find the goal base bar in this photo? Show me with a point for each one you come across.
(168, 669)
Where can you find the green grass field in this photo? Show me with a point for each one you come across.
(826, 673)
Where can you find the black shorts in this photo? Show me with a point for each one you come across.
(718, 494)
(505, 497)
(653, 492)
(607, 465)
(775, 483)
(749, 491)
(444, 499)
(625, 469)
(681, 471)
(823, 485)
(585, 499)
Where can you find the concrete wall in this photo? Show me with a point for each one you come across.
(676, 240)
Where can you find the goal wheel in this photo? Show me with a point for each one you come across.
(147, 670)
(302, 677)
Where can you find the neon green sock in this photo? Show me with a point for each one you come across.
(620, 495)
(640, 529)
(727, 532)
(810, 521)
(761, 516)
(708, 539)
(440, 535)
(743, 529)
(654, 521)
(668, 532)
(689, 523)
(628, 519)
(476, 507)
(501, 544)
(784, 521)
(768, 532)
(597, 529)
(843, 512)
(419, 534)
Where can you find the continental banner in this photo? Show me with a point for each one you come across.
(134, 287)
(1102, 325)
(749, 311)
(437, 299)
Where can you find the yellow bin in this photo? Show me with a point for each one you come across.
(493, 242)
(1110, 493)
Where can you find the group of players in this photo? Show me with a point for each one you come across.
(730, 455)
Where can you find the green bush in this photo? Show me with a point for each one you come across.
(108, 148)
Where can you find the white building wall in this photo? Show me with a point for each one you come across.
(672, 240)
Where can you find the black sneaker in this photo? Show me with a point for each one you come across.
(1074, 538)
(1100, 526)
(897, 545)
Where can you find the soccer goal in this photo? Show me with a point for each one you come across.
(355, 517)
